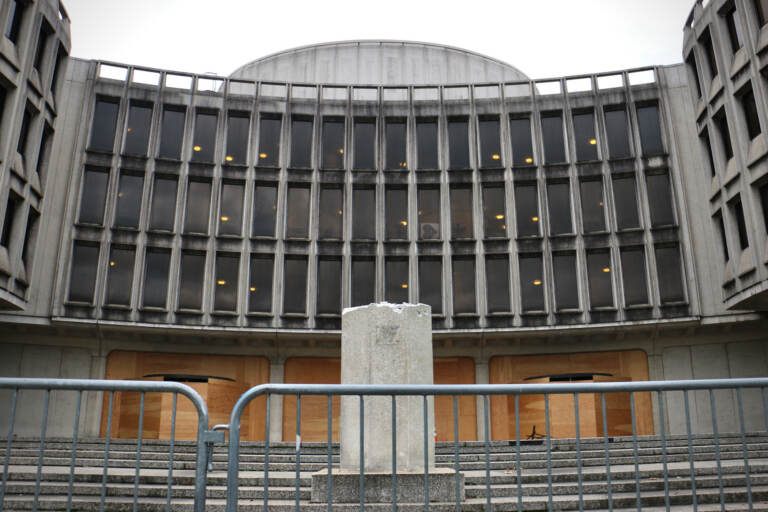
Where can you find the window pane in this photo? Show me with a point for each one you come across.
(497, 283)
(329, 286)
(709, 51)
(163, 204)
(670, 277)
(364, 213)
(204, 143)
(331, 213)
(129, 201)
(237, 139)
(11, 209)
(705, 141)
(461, 213)
(490, 144)
(397, 213)
(660, 200)
(333, 143)
(15, 15)
(633, 271)
(120, 277)
(625, 202)
(172, 132)
(617, 129)
(94, 196)
(365, 137)
(733, 22)
(463, 285)
(396, 144)
(458, 143)
(426, 141)
(584, 133)
(737, 212)
(764, 202)
(191, 280)
(363, 281)
(26, 126)
(198, 207)
(650, 130)
(104, 122)
(396, 280)
(592, 206)
(301, 142)
(431, 283)
(260, 283)
(30, 239)
(559, 197)
(522, 148)
(231, 216)
(264, 210)
(721, 123)
(531, 282)
(694, 71)
(85, 258)
(156, 267)
(720, 228)
(297, 213)
(552, 132)
(269, 141)
(566, 286)
(599, 272)
(429, 213)
(527, 205)
(751, 117)
(494, 212)
(137, 133)
(227, 269)
(295, 298)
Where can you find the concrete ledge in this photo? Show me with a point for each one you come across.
(378, 487)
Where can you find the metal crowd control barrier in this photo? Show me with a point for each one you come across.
(659, 388)
(204, 436)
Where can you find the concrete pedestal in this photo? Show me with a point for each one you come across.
(378, 487)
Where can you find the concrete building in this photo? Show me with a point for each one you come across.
(609, 226)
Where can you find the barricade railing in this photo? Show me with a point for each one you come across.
(648, 390)
(79, 386)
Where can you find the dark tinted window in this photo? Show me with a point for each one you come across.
(584, 133)
(237, 138)
(633, 271)
(172, 132)
(163, 203)
(494, 212)
(737, 212)
(750, 114)
(11, 209)
(527, 207)
(42, 42)
(30, 240)
(720, 228)
(269, 141)
(297, 212)
(693, 68)
(396, 280)
(733, 22)
(461, 212)
(85, 258)
(650, 130)
(490, 145)
(94, 195)
(625, 202)
(599, 271)
(231, 214)
(761, 8)
(592, 206)
(365, 141)
(129, 201)
(396, 133)
(463, 285)
(458, 143)
(364, 213)
(331, 213)
(26, 126)
(295, 293)
(522, 148)
(198, 207)
(333, 143)
(191, 280)
(429, 213)
(15, 15)
(204, 141)
(721, 123)
(426, 142)
(137, 132)
(227, 269)
(704, 137)
(660, 199)
(260, 283)
(431, 283)
(104, 122)
(396, 206)
(617, 129)
(156, 267)
(120, 276)
(301, 142)
(264, 210)
(670, 274)
(566, 281)
(44, 153)
(552, 133)
(363, 281)
(764, 202)
(497, 283)
(329, 286)
(559, 198)
(709, 52)
(531, 282)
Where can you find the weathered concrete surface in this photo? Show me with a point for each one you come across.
(378, 486)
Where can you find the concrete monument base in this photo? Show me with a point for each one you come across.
(378, 486)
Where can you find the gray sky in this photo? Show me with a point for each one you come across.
(543, 38)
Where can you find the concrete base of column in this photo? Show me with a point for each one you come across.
(378, 487)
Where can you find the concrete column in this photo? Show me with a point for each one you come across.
(276, 376)
(93, 401)
(482, 376)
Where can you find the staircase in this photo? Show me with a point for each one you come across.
(502, 464)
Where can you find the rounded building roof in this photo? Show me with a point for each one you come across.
(379, 63)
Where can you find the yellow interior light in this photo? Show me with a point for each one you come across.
(404, 285)
(503, 226)
(228, 158)
(606, 269)
(339, 212)
(601, 203)
(221, 282)
(119, 194)
(529, 160)
(253, 288)
(129, 129)
(495, 156)
(196, 148)
(341, 151)
(404, 223)
(536, 282)
(262, 155)
(500, 216)
(535, 219)
(593, 141)
(224, 218)
(111, 263)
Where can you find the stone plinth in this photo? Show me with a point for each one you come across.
(378, 486)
